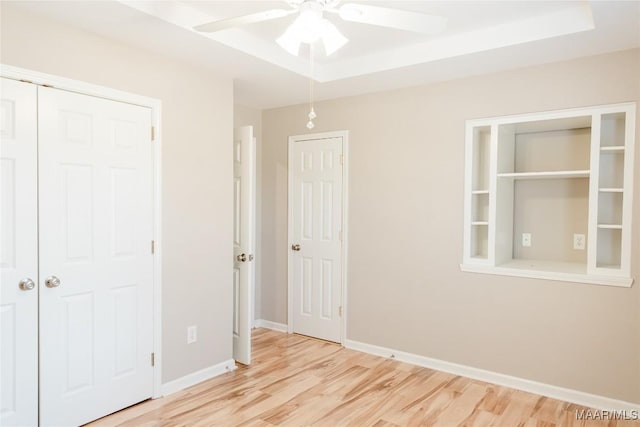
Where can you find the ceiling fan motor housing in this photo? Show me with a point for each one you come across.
(323, 4)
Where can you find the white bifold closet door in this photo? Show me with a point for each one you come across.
(93, 272)
(18, 254)
(96, 228)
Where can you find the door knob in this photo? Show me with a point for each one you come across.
(26, 284)
(52, 282)
(295, 247)
(241, 258)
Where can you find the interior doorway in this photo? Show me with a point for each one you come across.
(317, 235)
(244, 241)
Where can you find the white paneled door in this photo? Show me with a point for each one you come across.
(96, 265)
(18, 254)
(244, 224)
(316, 212)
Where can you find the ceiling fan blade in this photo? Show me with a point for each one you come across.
(393, 18)
(238, 21)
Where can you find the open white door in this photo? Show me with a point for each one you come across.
(18, 254)
(244, 167)
(96, 261)
(316, 235)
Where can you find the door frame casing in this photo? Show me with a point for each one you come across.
(344, 134)
(80, 87)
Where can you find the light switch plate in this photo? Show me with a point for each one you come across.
(526, 240)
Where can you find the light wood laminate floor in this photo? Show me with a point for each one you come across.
(299, 381)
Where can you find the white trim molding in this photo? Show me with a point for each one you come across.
(157, 240)
(198, 377)
(268, 324)
(560, 393)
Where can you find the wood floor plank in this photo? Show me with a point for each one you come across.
(299, 381)
(463, 406)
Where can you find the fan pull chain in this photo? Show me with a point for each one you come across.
(312, 113)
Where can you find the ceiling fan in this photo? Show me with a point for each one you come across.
(310, 25)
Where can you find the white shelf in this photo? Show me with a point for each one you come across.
(613, 148)
(610, 226)
(543, 265)
(546, 175)
(479, 222)
(609, 267)
(480, 192)
(560, 271)
(611, 190)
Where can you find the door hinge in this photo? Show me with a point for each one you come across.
(340, 311)
(153, 359)
(342, 159)
(153, 133)
(340, 235)
(153, 246)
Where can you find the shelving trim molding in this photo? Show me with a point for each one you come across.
(546, 175)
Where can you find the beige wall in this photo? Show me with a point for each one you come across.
(247, 116)
(406, 290)
(197, 117)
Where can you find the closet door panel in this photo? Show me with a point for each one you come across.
(18, 254)
(95, 163)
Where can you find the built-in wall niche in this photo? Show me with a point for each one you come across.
(480, 179)
(548, 195)
(481, 152)
(613, 128)
(552, 211)
(541, 146)
(611, 169)
(609, 254)
(480, 208)
(610, 209)
(480, 242)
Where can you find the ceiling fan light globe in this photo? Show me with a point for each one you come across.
(310, 25)
(332, 38)
(290, 42)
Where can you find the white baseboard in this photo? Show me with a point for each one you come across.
(268, 324)
(560, 393)
(198, 376)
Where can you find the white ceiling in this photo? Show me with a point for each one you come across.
(481, 37)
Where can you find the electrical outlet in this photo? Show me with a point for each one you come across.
(526, 239)
(192, 334)
(579, 241)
